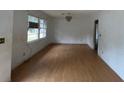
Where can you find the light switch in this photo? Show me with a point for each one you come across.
(2, 40)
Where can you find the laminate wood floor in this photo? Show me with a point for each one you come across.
(68, 63)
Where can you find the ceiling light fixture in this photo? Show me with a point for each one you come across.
(68, 16)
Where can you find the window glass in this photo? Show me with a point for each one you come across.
(43, 28)
(32, 19)
(42, 33)
(32, 34)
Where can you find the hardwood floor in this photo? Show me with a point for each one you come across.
(64, 63)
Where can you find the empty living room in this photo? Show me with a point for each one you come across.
(61, 46)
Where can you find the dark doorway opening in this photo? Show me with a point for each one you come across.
(96, 34)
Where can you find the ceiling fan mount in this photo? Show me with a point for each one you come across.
(68, 16)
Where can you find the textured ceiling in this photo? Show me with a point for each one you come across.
(58, 13)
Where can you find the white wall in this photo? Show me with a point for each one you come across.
(6, 24)
(75, 32)
(111, 42)
(20, 45)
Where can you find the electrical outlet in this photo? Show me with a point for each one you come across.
(2, 40)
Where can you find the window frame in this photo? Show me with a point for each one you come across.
(43, 28)
(39, 38)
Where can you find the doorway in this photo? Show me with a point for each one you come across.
(96, 35)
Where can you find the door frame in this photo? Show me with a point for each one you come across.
(96, 25)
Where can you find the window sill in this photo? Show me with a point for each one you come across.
(42, 38)
(32, 41)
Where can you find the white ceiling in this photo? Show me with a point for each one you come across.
(58, 13)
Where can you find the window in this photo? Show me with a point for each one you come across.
(43, 27)
(36, 28)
